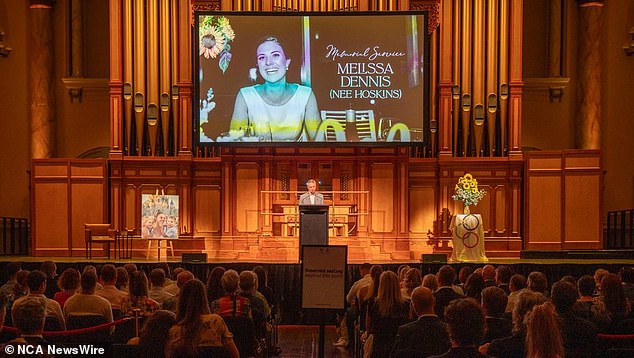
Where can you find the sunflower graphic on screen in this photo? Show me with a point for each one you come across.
(214, 36)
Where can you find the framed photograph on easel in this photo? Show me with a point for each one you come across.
(159, 216)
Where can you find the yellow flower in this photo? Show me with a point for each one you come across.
(212, 42)
(468, 176)
(474, 190)
(225, 28)
(465, 186)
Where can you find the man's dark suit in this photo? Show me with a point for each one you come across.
(497, 327)
(444, 295)
(579, 335)
(422, 338)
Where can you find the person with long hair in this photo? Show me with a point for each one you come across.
(139, 295)
(153, 336)
(430, 281)
(368, 293)
(68, 283)
(543, 336)
(413, 279)
(474, 286)
(386, 313)
(197, 327)
(614, 299)
(214, 286)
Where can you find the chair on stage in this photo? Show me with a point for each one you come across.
(100, 234)
(364, 120)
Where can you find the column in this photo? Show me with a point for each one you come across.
(42, 78)
(588, 123)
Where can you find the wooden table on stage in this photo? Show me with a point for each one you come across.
(123, 244)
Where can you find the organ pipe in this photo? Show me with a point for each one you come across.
(139, 72)
(492, 61)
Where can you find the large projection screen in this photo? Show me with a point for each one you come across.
(271, 78)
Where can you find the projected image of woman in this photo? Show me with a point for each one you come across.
(275, 110)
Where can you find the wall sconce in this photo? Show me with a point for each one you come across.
(4, 49)
(629, 48)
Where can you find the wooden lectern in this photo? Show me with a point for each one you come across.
(313, 225)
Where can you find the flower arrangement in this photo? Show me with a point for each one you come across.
(214, 37)
(467, 190)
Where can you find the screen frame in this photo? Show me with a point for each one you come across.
(426, 66)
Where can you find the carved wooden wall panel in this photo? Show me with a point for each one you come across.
(382, 198)
(246, 197)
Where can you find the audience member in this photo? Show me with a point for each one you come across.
(122, 280)
(413, 279)
(463, 275)
(579, 335)
(153, 336)
(138, 296)
(515, 345)
(182, 278)
(231, 305)
(130, 268)
(474, 286)
(488, 275)
(69, 283)
(569, 278)
(386, 313)
(346, 325)
(598, 276)
(197, 327)
(537, 282)
(402, 270)
(615, 302)
(430, 281)
(260, 309)
(445, 293)
(93, 269)
(86, 302)
(589, 307)
(50, 270)
(157, 291)
(466, 326)
(627, 280)
(118, 299)
(516, 284)
(12, 271)
(367, 293)
(29, 316)
(166, 269)
(426, 336)
(263, 285)
(173, 287)
(36, 282)
(503, 277)
(214, 285)
(494, 302)
(543, 337)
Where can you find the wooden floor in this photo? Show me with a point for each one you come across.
(303, 342)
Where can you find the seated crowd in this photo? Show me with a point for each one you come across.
(487, 312)
(175, 315)
(476, 312)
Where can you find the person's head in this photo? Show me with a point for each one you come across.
(262, 276)
(569, 278)
(36, 282)
(364, 269)
(108, 274)
(155, 332)
(49, 268)
(21, 287)
(526, 300)
(598, 276)
(488, 272)
(272, 61)
(446, 275)
(214, 278)
(89, 268)
(613, 296)
(389, 295)
(494, 301)
(627, 275)
(148, 222)
(171, 221)
(130, 267)
(563, 295)
(503, 274)
(161, 218)
(122, 277)
(12, 269)
(69, 279)
(423, 301)
(430, 281)
(248, 281)
(157, 277)
(183, 277)
(474, 286)
(586, 285)
(176, 271)
(138, 284)
(537, 282)
(413, 279)
(375, 273)
(402, 270)
(166, 268)
(28, 315)
(464, 274)
(230, 280)
(192, 302)
(517, 282)
(465, 319)
(543, 336)
(88, 282)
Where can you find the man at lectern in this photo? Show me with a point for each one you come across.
(312, 197)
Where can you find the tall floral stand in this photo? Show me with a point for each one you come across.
(467, 238)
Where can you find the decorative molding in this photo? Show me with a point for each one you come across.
(555, 86)
(204, 5)
(432, 8)
(76, 86)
